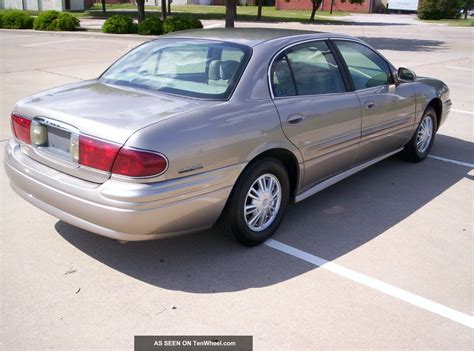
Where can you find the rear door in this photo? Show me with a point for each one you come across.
(388, 108)
(318, 112)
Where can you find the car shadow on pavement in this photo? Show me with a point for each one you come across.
(400, 44)
(329, 224)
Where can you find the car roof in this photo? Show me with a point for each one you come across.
(250, 36)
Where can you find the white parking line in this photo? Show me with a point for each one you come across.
(461, 85)
(53, 42)
(462, 111)
(376, 284)
(460, 163)
(454, 67)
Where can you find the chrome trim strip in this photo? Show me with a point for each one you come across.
(56, 124)
(387, 125)
(350, 138)
(337, 178)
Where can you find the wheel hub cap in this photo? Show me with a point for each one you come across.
(424, 134)
(262, 202)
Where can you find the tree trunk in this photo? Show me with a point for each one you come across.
(316, 6)
(163, 10)
(332, 5)
(259, 13)
(230, 13)
(141, 10)
(169, 6)
(466, 7)
(103, 6)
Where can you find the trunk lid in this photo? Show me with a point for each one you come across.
(102, 111)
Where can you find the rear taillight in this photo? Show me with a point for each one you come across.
(139, 163)
(124, 161)
(100, 154)
(96, 153)
(21, 128)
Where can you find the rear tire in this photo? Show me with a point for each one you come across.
(422, 141)
(257, 203)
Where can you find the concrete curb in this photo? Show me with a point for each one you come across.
(82, 34)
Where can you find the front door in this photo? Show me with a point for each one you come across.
(388, 108)
(318, 112)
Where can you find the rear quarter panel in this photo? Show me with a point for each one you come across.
(230, 133)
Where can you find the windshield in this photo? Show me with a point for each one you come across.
(194, 68)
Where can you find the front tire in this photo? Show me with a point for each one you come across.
(257, 203)
(420, 145)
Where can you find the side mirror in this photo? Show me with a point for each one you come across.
(406, 75)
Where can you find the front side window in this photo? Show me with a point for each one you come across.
(315, 69)
(366, 68)
(194, 68)
(307, 69)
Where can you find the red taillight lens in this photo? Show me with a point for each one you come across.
(96, 153)
(21, 128)
(139, 163)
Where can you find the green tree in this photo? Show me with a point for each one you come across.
(466, 5)
(438, 9)
(259, 12)
(141, 10)
(230, 13)
(163, 10)
(317, 4)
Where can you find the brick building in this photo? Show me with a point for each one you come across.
(367, 6)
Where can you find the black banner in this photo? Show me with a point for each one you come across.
(193, 343)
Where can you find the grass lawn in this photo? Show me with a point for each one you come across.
(456, 22)
(244, 13)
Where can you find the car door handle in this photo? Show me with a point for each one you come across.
(295, 119)
(369, 104)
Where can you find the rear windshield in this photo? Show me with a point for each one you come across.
(194, 68)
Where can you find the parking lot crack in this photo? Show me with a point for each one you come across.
(43, 71)
(58, 74)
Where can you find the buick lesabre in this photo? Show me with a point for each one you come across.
(218, 126)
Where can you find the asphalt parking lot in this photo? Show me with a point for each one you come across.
(383, 259)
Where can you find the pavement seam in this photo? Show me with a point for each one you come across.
(43, 71)
(445, 61)
(58, 74)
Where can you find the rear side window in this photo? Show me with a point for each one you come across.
(315, 69)
(282, 80)
(367, 68)
(307, 69)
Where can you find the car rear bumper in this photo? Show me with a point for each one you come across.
(118, 209)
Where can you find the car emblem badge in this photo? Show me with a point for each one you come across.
(38, 134)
